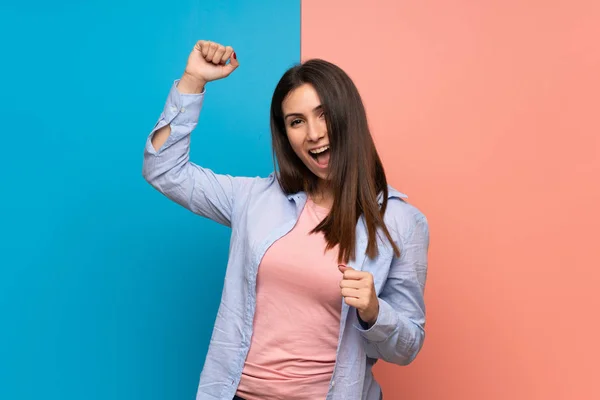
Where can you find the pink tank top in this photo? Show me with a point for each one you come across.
(296, 325)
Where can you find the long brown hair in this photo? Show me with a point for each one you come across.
(355, 170)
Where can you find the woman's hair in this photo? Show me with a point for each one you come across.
(355, 170)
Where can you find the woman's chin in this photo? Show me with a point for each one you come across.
(321, 171)
(322, 175)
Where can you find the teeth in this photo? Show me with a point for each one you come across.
(319, 150)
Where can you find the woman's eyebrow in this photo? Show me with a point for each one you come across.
(317, 108)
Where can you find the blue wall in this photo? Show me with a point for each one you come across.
(107, 289)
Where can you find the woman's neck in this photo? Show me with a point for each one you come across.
(323, 196)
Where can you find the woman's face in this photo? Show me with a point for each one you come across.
(306, 128)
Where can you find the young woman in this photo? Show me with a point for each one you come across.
(327, 263)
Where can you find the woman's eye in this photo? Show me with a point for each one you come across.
(294, 122)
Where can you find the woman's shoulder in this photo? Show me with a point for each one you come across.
(401, 216)
(260, 186)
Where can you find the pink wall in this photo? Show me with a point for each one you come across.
(487, 113)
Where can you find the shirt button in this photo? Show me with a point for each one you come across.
(182, 109)
(332, 383)
(173, 108)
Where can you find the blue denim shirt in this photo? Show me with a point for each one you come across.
(259, 213)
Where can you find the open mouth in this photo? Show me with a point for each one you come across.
(320, 155)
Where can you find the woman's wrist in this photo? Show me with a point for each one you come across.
(189, 84)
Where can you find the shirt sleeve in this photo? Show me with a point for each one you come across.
(170, 171)
(399, 331)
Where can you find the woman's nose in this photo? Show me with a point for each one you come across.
(315, 132)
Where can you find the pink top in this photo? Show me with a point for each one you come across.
(296, 325)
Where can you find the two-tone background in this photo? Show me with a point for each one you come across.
(486, 113)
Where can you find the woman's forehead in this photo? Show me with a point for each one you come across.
(303, 99)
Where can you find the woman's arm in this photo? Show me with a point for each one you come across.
(166, 156)
(399, 331)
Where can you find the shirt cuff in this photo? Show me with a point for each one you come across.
(384, 327)
(182, 108)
